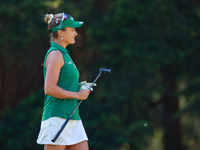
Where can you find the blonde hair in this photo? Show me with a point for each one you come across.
(52, 21)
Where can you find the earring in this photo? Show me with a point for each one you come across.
(61, 38)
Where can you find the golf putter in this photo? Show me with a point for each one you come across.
(67, 120)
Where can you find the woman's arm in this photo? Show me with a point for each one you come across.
(54, 63)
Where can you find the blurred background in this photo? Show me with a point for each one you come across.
(150, 101)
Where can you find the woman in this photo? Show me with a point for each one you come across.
(61, 79)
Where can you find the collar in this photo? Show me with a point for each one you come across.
(53, 44)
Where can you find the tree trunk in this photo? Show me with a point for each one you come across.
(172, 127)
(8, 81)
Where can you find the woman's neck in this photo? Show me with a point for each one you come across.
(60, 42)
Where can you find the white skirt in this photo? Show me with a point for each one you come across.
(73, 132)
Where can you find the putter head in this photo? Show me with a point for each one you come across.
(104, 69)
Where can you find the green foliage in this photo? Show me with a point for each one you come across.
(149, 46)
(20, 126)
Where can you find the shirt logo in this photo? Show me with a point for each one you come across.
(69, 62)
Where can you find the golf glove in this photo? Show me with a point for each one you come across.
(84, 85)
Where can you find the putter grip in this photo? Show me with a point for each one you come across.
(105, 69)
(61, 129)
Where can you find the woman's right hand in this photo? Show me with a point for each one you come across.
(83, 94)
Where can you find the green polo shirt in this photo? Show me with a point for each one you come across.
(68, 80)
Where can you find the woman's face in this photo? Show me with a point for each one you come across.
(69, 35)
